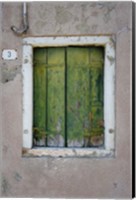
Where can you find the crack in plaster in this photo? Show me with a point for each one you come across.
(124, 29)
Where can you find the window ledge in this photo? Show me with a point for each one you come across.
(68, 152)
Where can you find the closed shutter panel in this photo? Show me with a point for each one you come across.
(78, 95)
(68, 96)
(97, 93)
(49, 119)
(56, 97)
(39, 96)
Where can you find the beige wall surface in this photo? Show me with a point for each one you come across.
(64, 177)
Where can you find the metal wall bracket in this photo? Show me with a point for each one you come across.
(25, 22)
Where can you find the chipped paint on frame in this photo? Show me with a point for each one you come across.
(109, 87)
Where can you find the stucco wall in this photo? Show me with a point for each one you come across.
(65, 177)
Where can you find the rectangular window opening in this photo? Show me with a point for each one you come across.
(68, 96)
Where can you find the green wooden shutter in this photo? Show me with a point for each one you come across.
(68, 96)
(85, 96)
(97, 94)
(49, 119)
(56, 97)
(78, 95)
(39, 95)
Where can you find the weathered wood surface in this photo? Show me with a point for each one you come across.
(68, 96)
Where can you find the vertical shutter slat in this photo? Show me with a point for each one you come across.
(55, 97)
(39, 96)
(97, 93)
(78, 93)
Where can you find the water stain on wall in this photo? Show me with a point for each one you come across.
(9, 73)
(5, 186)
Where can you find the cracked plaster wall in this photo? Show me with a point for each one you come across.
(62, 177)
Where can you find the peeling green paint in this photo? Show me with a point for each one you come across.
(39, 133)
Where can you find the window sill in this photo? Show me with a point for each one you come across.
(68, 152)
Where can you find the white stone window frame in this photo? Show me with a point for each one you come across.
(108, 150)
